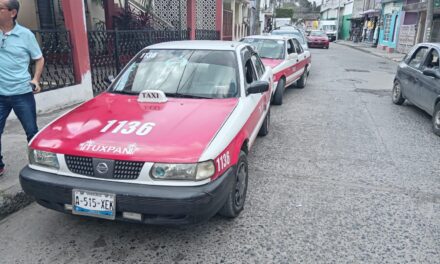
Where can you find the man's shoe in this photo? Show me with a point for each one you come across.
(2, 171)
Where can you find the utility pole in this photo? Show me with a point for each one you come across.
(337, 24)
(428, 23)
(257, 18)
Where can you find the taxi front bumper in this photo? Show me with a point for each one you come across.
(156, 204)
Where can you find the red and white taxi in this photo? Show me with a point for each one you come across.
(288, 60)
(166, 143)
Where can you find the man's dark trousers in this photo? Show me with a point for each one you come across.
(25, 110)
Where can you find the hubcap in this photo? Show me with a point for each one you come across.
(240, 186)
(396, 92)
(437, 120)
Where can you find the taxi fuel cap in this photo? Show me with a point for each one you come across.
(152, 96)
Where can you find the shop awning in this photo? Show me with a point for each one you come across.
(370, 12)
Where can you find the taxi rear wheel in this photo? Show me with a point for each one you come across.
(264, 130)
(278, 96)
(237, 195)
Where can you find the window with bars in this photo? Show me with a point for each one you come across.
(387, 27)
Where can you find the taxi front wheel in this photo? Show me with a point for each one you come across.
(237, 195)
(264, 130)
(301, 83)
(278, 96)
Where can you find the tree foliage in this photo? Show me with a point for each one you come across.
(284, 12)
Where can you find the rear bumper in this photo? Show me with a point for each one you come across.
(157, 204)
(318, 44)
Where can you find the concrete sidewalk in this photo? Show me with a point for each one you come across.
(14, 150)
(366, 47)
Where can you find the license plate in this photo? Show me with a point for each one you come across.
(96, 204)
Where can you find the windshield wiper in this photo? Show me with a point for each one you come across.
(124, 92)
(179, 95)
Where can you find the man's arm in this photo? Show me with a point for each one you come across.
(39, 65)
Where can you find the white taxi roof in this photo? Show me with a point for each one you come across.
(275, 37)
(198, 45)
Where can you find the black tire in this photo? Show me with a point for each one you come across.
(278, 96)
(436, 120)
(397, 96)
(301, 83)
(264, 130)
(237, 195)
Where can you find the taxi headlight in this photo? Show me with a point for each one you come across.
(43, 158)
(190, 172)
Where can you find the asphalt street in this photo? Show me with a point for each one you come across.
(344, 176)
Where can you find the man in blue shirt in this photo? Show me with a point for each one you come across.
(17, 47)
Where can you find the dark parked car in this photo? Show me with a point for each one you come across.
(418, 80)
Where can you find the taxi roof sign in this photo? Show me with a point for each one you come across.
(152, 96)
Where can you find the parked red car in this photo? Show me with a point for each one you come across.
(318, 39)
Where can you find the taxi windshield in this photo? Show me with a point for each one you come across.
(181, 73)
(267, 48)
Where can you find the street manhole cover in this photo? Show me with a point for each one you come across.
(356, 70)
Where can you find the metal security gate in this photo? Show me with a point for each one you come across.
(111, 50)
(58, 62)
(204, 34)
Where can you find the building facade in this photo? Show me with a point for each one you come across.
(391, 21)
(82, 48)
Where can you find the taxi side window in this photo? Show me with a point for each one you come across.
(290, 47)
(432, 60)
(417, 57)
(258, 65)
(248, 68)
(298, 46)
(249, 72)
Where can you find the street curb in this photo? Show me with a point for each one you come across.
(365, 51)
(13, 200)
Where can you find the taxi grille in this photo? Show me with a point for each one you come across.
(80, 165)
(127, 170)
(123, 170)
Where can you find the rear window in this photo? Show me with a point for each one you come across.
(318, 34)
(290, 33)
(267, 48)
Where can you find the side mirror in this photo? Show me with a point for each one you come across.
(432, 73)
(109, 79)
(258, 87)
